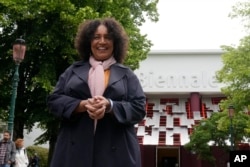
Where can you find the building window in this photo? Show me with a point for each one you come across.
(169, 110)
(162, 138)
(176, 121)
(163, 120)
(140, 139)
(216, 100)
(176, 138)
(190, 114)
(190, 131)
(169, 100)
(142, 123)
(204, 110)
(148, 130)
(149, 109)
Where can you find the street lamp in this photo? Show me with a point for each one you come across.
(19, 49)
(231, 114)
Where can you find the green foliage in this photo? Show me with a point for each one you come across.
(215, 131)
(235, 75)
(42, 153)
(204, 134)
(242, 10)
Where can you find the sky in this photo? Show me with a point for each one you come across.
(194, 24)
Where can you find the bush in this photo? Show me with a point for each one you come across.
(42, 153)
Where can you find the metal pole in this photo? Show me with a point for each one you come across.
(231, 133)
(13, 100)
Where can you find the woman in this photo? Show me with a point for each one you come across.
(21, 159)
(99, 100)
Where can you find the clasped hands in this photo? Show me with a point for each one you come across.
(95, 106)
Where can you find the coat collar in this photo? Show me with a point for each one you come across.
(81, 69)
(117, 72)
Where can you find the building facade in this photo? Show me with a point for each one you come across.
(181, 90)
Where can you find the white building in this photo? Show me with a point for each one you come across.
(181, 90)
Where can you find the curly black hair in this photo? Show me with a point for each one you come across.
(86, 31)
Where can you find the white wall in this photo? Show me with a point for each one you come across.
(180, 71)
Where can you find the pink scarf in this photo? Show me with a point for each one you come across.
(96, 76)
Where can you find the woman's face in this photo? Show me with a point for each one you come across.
(102, 44)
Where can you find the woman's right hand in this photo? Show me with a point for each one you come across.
(81, 107)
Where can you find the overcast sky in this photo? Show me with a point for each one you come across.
(194, 24)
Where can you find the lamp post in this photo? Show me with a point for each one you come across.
(19, 49)
(231, 114)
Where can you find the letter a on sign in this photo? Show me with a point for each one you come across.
(237, 158)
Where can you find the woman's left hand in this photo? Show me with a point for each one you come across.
(96, 107)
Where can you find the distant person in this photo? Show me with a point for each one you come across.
(34, 162)
(99, 100)
(7, 150)
(21, 159)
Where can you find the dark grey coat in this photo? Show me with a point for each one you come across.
(114, 143)
(10, 151)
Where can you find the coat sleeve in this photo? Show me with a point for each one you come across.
(59, 103)
(13, 152)
(132, 109)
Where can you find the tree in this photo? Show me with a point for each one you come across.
(235, 75)
(215, 131)
(49, 28)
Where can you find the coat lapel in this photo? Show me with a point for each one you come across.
(81, 69)
(116, 73)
